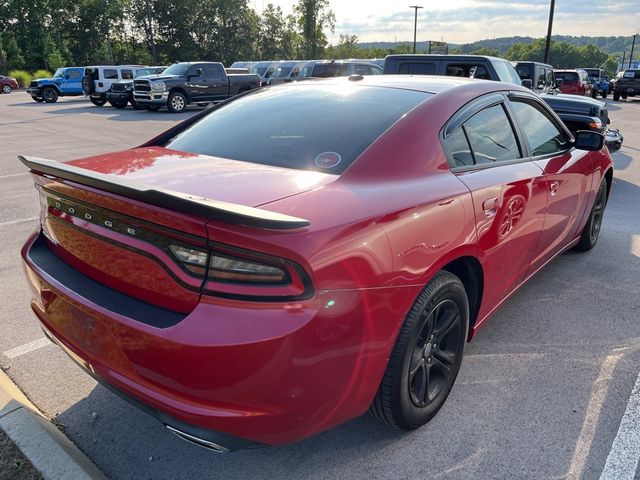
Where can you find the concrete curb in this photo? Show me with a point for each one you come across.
(46, 447)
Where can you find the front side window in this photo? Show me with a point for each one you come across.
(110, 74)
(305, 127)
(544, 136)
(491, 136)
(127, 74)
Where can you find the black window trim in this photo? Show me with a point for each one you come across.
(468, 111)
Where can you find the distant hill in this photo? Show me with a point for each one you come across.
(611, 45)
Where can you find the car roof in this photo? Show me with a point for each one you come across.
(445, 56)
(424, 83)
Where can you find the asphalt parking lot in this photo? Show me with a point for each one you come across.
(546, 389)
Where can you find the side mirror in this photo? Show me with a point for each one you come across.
(588, 140)
(528, 83)
(559, 83)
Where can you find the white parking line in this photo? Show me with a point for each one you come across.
(592, 414)
(623, 459)
(13, 175)
(20, 220)
(27, 347)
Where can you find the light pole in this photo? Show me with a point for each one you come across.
(549, 28)
(633, 44)
(415, 25)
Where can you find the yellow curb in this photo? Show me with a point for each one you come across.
(15, 393)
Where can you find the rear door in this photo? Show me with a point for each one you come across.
(508, 190)
(568, 175)
(218, 83)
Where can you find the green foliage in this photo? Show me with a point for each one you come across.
(22, 77)
(41, 74)
(314, 17)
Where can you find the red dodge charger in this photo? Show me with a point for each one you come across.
(291, 258)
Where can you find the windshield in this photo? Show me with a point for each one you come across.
(567, 77)
(506, 72)
(306, 127)
(178, 69)
(282, 72)
(306, 71)
(144, 72)
(59, 73)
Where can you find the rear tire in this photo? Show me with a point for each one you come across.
(591, 230)
(50, 95)
(427, 355)
(6, 89)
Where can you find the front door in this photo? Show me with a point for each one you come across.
(568, 176)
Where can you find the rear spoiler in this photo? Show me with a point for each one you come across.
(162, 197)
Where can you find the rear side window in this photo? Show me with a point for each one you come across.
(459, 150)
(73, 74)
(491, 136)
(417, 68)
(110, 74)
(543, 135)
(323, 128)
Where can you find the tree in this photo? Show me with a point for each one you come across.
(272, 31)
(314, 17)
(347, 47)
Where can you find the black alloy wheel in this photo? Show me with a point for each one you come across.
(591, 230)
(37, 99)
(426, 357)
(50, 95)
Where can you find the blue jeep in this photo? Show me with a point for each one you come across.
(66, 82)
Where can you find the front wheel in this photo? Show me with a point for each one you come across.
(6, 89)
(591, 230)
(98, 102)
(50, 95)
(152, 108)
(37, 99)
(177, 102)
(118, 104)
(427, 355)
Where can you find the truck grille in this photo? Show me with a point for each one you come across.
(141, 86)
(119, 87)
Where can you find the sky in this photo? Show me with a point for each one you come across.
(466, 21)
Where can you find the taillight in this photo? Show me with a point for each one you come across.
(229, 271)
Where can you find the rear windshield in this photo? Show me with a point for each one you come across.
(306, 127)
(567, 77)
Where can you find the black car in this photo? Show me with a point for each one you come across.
(584, 113)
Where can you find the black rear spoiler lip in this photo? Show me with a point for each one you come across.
(165, 198)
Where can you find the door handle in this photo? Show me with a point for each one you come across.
(490, 207)
(553, 188)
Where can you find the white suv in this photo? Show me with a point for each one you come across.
(97, 80)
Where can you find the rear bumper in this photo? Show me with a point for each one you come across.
(236, 373)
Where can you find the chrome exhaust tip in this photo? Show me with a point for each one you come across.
(201, 442)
